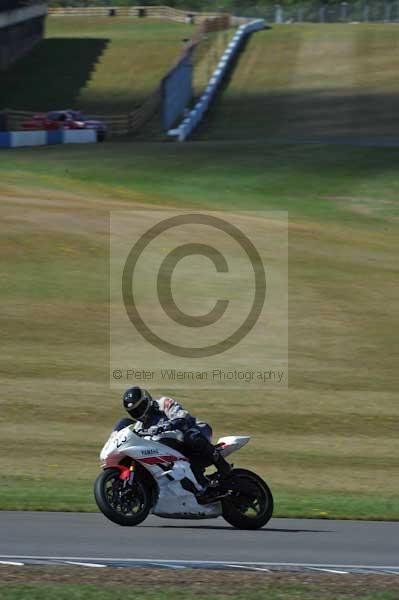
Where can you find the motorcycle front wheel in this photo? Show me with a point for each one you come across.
(121, 502)
(249, 504)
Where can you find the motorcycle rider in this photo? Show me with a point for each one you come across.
(165, 414)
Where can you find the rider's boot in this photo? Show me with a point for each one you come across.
(213, 490)
(223, 467)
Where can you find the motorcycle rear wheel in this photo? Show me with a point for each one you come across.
(250, 503)
(121, 503)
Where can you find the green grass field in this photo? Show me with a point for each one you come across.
(327, 445)
(312, 81)
(98, 65)
(93, 592)
(103, 65)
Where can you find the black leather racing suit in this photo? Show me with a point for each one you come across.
(168, 413)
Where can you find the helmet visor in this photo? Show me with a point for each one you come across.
(139, 409)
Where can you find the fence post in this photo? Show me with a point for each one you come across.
(365, 13)
(279, 16)
(322, 14)
(344, 11)
(300, 13)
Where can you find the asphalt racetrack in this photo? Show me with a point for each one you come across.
(88, 537)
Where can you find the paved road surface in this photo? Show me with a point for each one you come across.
(283, 540)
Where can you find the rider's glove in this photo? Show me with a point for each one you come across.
(167, 427)
(154, 430)
(181, 424)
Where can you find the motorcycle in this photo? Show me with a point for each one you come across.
(145, 474)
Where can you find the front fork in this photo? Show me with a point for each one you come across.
(127, 475)
(132, 474)
(128, 482)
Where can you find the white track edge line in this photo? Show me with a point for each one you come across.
(233, 566)
(210, 562)
(84, 564)
(325, 570)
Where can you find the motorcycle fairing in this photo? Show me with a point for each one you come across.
(175, 501)
(127, 442)
(168, 468)
(230, 443)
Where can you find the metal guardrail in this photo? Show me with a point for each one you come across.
(194, 117)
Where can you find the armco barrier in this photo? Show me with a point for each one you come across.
(177, 86)
(16, 139)
(194, 117)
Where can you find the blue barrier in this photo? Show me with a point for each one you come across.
(16, 139)
(176, 91)
(54, 137)
(187, 126)
(5, 139)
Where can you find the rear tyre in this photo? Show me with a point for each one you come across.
(120, 502)
(249, 504)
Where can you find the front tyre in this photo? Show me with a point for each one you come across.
(121, 502)
(249, 504)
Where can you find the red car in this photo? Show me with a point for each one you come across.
(65, 119)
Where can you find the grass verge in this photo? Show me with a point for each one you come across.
(62, 582)
(43, 494)
(87, 592)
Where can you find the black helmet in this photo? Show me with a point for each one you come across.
(137, 402)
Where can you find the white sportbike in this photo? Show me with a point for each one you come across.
(145, 474)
